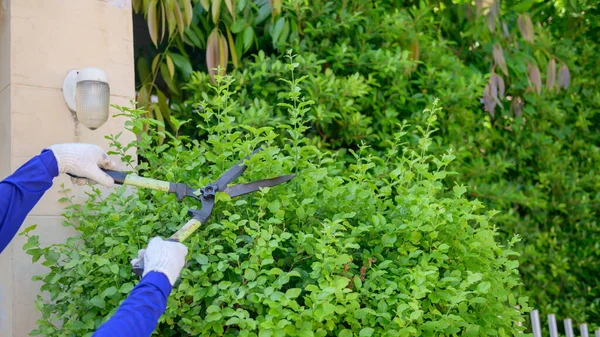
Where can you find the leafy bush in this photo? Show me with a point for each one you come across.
(529, 151)
(534, 157)
(540, 169)
(363, 84)
(374, 248)
(176, 37)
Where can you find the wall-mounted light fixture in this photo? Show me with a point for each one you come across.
(87, 94)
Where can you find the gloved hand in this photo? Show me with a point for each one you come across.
(162, 256)
(85, 161)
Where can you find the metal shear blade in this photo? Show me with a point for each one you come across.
(221, 185)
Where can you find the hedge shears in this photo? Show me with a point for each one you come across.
(206, 195)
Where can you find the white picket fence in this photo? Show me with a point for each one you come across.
(568, 323)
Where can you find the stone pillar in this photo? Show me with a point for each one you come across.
(40, 41)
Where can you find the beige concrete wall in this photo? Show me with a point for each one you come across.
(6, 271)
(40, 41)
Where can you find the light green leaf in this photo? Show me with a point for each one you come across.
(114, 268)
(212, 317)
(366, 332)
(277, 28)
(250, 274)
(293, 293)
(388, 239)
(71, 264)
(459, 190)
(202, 259)
(126, 288)
(238, 26)
(109, 292)
(97, 301)
(483, 287)
(346, 333)
(213, 308)
(248, 35)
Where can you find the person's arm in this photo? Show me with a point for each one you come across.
(22, 190)
(138, 315)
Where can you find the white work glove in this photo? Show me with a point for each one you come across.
(167, 257)
(85, 161)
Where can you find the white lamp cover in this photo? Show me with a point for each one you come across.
(87, 93)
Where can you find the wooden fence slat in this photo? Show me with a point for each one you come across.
(552, 325)
(535, 323)
(569, 328)
(597, 333)
(584, 330)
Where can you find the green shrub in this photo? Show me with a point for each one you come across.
(382, 250)
(535, 161)
(541, 169)
(176, 37)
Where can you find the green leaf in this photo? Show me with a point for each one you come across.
(474, 277)
(114, 268)
(443, 247)
(238, 26)
(28, 229)
(126, 288)
(193, 38)
(483, 287)
(472, 330)
(52, 256)
(214, 316)
(212, 309)
(233, 321)
(239, 44)
(388, 239)
(478, 300)
(98, 302)
(250, 274)
(346, 333)
(277, 28)
(523, 6)
(182, 63)
(109, 292)
(248, 35)
(101, 261)
(459, 191)
(274, 205)
(35, 254)
(366, 332)
(293, 293)
(202, 259)
(512, 264)
(71, 264)
(221, 196)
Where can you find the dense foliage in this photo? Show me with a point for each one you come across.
(518, 80)
(179, 36)
(521, 113)
(381, 250)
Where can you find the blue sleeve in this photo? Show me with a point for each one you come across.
(138, 315)
(21, 191)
